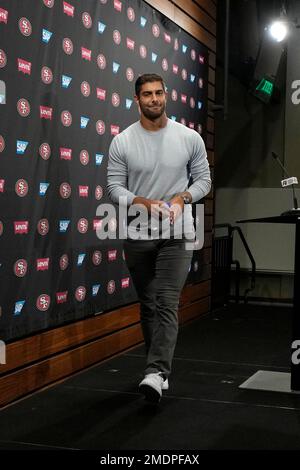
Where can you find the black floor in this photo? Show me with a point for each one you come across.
(101, 408)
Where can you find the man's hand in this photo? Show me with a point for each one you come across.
(155, 207)
(176, 207)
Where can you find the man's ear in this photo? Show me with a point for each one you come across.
(136, 99)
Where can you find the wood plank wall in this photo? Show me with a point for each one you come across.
(43, 359)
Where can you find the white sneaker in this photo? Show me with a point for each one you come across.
(151, 386)
(165, 385)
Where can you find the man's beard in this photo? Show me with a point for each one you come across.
(153, 114)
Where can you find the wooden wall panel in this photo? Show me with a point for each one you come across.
(208, 6)
(197, 14)
(19, 378)
(37, 347)
(185, 22)
(211, 75)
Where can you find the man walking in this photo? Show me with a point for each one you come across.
(160, 167)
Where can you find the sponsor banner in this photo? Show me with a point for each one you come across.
(66, 90)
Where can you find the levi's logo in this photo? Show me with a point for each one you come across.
(42, 264)
(118, 5)
(21, 226)
(24, 66)
(3, 16)
(101, 94)
(45, 112)
(65, 154)
(125, 282)
(61, 297)
(86, 53)
(112, 255)
(83, 191)
(68, 9)
(130, 43)
(114, 130)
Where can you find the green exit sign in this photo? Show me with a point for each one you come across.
(263, 89)
(265, 86)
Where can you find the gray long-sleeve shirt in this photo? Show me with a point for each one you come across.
(158, 164)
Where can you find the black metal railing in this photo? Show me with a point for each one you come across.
(223, 262)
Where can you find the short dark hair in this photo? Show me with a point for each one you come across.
(145, 78)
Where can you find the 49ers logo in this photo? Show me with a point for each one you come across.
(98, 192)
(130, 14)
(165, 65)
(82, 225)
(192, 103)
(85, 89)
(25, 26)
(143, 51)
(155, 30)
(115, 100)
(21, 187)
(100, 127)
(48, 3)
(112, 224)
(23, 107)
(86, 20)
(101, 61)
(111, 287)
(43, 302)
(117, 37)
(68, 46)
(129, 74)
(20, 267)
(174, 95)
(1, 228)
(3, 59)
(176, 44)
(43, 227)
(47, 75)
(80, 293)
(66, 118)
(193, 54)
(45, 151)
(97, 258)
(2, 143)
(65, 190)
(84, 157)
(64, 262)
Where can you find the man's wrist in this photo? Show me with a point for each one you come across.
(186, 197)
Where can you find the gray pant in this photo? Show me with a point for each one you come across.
(158, 269)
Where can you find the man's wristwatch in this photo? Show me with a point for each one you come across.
(186, 199)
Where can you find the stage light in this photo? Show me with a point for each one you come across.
(278, 30)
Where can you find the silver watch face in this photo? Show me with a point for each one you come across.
(186, 200)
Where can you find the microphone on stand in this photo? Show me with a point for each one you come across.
(289, 181)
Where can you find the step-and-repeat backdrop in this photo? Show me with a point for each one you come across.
(67, 73)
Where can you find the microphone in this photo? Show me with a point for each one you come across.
(290, 181)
